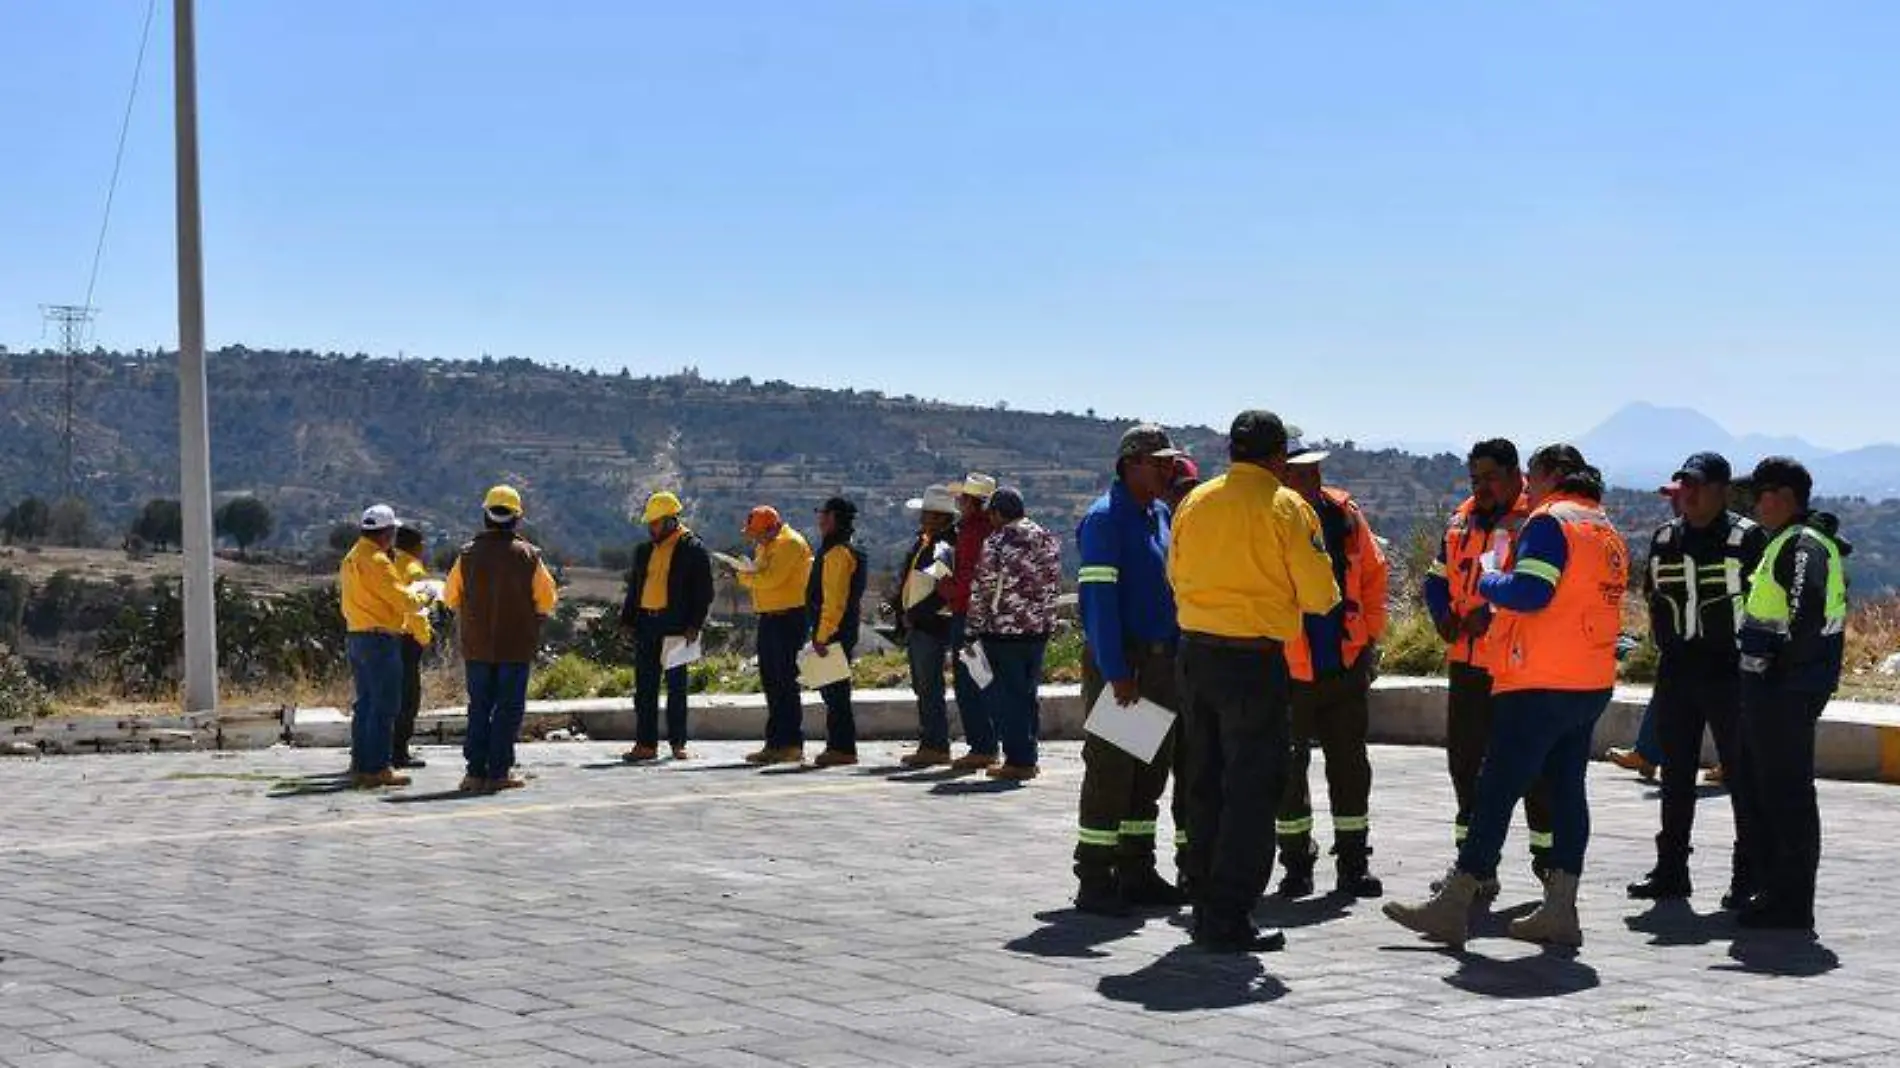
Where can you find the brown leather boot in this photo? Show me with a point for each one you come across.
(975, 762)
(640, 754)
(1015, 772)
(832, 758)
(926, 758)
(389, 777)
(506, 782)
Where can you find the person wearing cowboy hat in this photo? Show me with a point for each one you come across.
(502, 593)
(974, 528)
(923, 619)
(377, 604)
(781, 568)
(669, 595)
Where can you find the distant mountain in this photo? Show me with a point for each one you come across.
(1641, 444)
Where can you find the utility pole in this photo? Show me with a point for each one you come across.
(194, 423)
(72, 320)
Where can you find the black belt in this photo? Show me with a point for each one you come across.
(1149, 648)
(783, 612)
(1258, 645)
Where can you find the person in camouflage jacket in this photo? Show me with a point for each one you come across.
(1012, 612)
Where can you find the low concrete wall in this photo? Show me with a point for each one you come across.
(1854, 740)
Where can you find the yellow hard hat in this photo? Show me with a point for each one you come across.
(661, 505)
(503, 499)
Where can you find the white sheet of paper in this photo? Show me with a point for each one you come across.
(978, 665)
(919, 585)
(678, 652)
(1488, 562)
(735, 562)
(815, 671)
(430, 588)
(939, 571)
(1137, 729)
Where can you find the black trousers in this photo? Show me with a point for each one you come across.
(1467, 735)
(1234, 709)
(649, 643)
(1121, 796)
(1332, 709)
(1774, 781)
(404, 727)
(1689, 698)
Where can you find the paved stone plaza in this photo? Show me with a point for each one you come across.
(234, 909)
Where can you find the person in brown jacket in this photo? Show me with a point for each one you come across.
(502, 593)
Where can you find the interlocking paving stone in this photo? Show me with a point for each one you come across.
(235, 910)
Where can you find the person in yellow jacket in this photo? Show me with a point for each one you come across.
(781, 569)
(377, 605)
(1247, 562)
(835, 593)
(418, 634)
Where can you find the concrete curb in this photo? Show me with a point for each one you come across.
(1855, 740)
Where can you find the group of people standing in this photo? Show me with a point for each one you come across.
(1252, 607)
(501, 593)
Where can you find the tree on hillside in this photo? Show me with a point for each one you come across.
(161, 524)
(245, 520)
(69, 522)
(614, 557)
(26, 522)
(343, 536)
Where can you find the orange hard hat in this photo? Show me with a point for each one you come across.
(761, 519)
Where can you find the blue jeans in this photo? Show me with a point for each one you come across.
(1647, 745)
(841, 724)
(781, 636)
(376, 664)
(648, 671)
(979, 720)
(497, 701)
(927, 652)
(1535, 732)
(1017, 666)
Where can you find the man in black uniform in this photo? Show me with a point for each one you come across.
(1793, 638)
(1696, 583)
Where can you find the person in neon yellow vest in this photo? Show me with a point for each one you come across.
(1793, 636)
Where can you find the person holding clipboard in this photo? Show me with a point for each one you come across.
(1127, 610)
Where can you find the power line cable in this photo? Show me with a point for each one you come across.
(118, 156)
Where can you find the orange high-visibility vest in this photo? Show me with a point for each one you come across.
(1465, 541)
(1364, 592)
(1570, 643)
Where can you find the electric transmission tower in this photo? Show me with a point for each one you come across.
(72, 320)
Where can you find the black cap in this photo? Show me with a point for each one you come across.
(1007, 503)
(1148, 440)
(839, 507)
(1256, 435)
(1781, 472)
(1708, 468)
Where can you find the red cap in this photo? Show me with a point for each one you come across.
(1186, 470)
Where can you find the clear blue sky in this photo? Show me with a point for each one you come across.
(1385, 219)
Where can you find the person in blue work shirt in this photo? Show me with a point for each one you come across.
(1128, 619)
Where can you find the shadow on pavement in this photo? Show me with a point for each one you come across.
(1677, 923)
(1305, 912)
(1554, 973)
(937, 775)
(982, 786)
(1792, 954)
(1068, 933)
(775, 770)
(314, 786)
(1703, 791)
(1191, 980)
(693, 767)
(430, 798)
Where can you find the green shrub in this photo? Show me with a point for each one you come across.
(569, 678)
(1062, 661)
(615, 682)
(1640, 664)
(882, 671)
(21, 695)
(1411, 646)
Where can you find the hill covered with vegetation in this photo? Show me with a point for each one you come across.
(318, 436)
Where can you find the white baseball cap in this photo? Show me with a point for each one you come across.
(379, 517)
(1297, 451)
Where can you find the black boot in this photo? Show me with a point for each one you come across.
(1143, 888)
(1299, 855)
(1741, 885)
(1353, 865)
(1098, 893)
(1668, 881)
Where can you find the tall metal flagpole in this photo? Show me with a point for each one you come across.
(194, 428)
